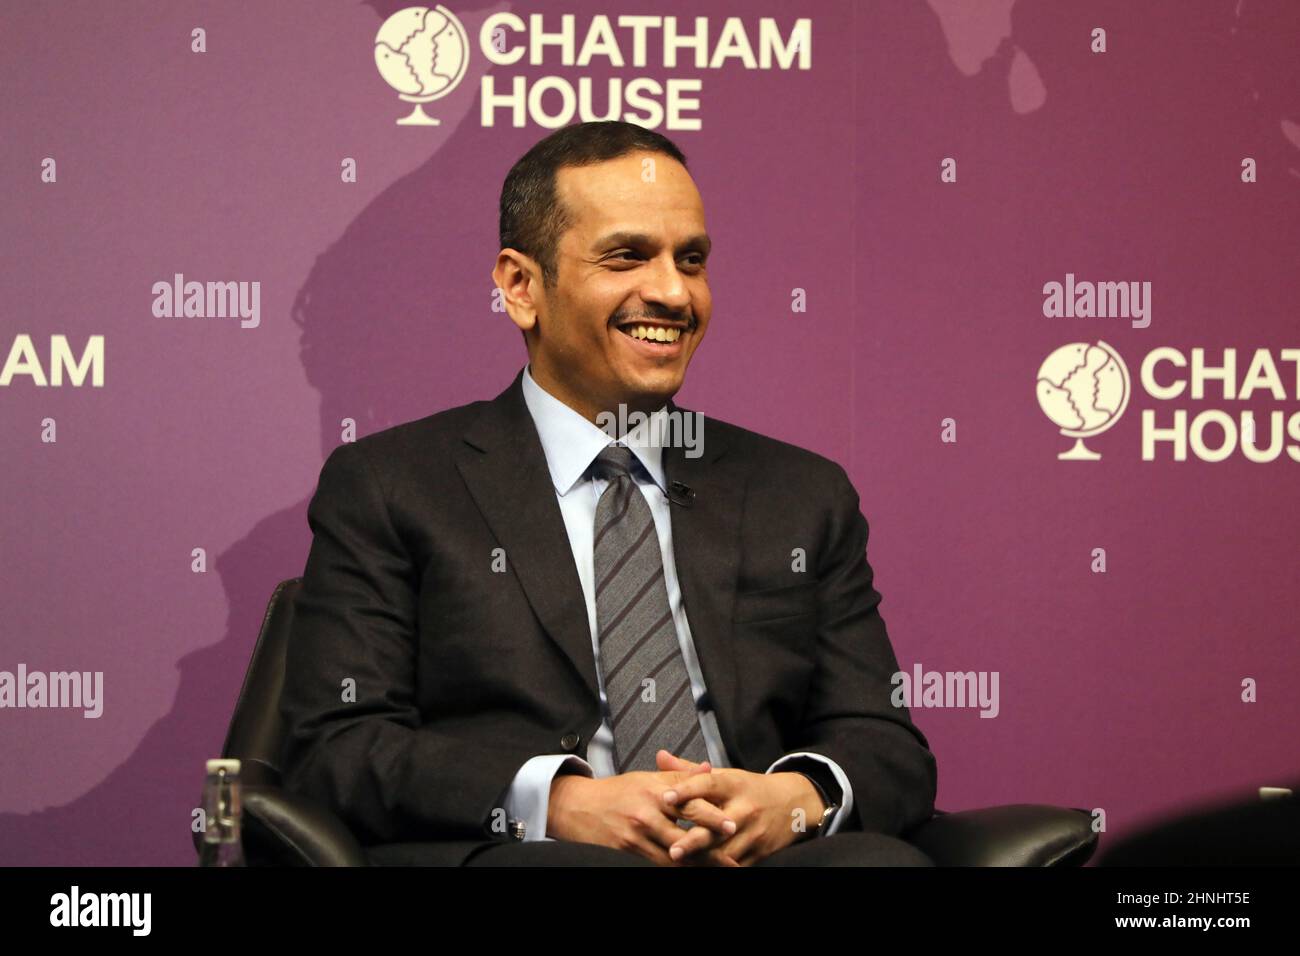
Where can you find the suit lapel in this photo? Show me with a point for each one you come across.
(505, 470)
(504, 467)
(706, 551)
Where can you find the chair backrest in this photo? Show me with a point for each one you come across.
(256, 729)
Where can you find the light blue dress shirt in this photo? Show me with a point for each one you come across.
(571, 444)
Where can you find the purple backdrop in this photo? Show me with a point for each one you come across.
(1119, 690)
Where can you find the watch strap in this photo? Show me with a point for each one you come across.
(831, 806)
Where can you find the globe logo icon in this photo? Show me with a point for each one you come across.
(422, 53)
(1083, 389)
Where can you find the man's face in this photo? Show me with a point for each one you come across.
(633, 256)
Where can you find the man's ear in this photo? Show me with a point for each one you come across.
(518, 277)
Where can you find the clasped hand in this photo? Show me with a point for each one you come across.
(739, 817)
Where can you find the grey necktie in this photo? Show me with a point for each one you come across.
(636, 634)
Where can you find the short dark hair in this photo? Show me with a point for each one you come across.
(532, 217)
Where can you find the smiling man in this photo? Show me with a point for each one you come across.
(633, 304)
(571, 645)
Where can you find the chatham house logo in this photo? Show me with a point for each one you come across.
(1083, 389)
(422, 52)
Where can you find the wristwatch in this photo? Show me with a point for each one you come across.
(828, 815)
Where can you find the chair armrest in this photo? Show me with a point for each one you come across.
(1022, 834)
(281, 828)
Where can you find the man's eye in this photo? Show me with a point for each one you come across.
(694, 259)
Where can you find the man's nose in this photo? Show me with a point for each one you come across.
(664, 284)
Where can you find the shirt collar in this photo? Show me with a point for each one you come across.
(571, 443)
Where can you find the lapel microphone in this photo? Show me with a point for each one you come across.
(680, 494)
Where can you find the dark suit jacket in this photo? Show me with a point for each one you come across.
(462, 673)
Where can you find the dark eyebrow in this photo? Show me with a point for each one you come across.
(700, 243)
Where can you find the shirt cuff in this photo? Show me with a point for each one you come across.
(529, 796)
(845, 796)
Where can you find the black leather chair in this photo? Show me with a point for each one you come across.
(281, 828)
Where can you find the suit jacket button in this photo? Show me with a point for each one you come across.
(569, 741)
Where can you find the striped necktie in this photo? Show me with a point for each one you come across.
(646, 683)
